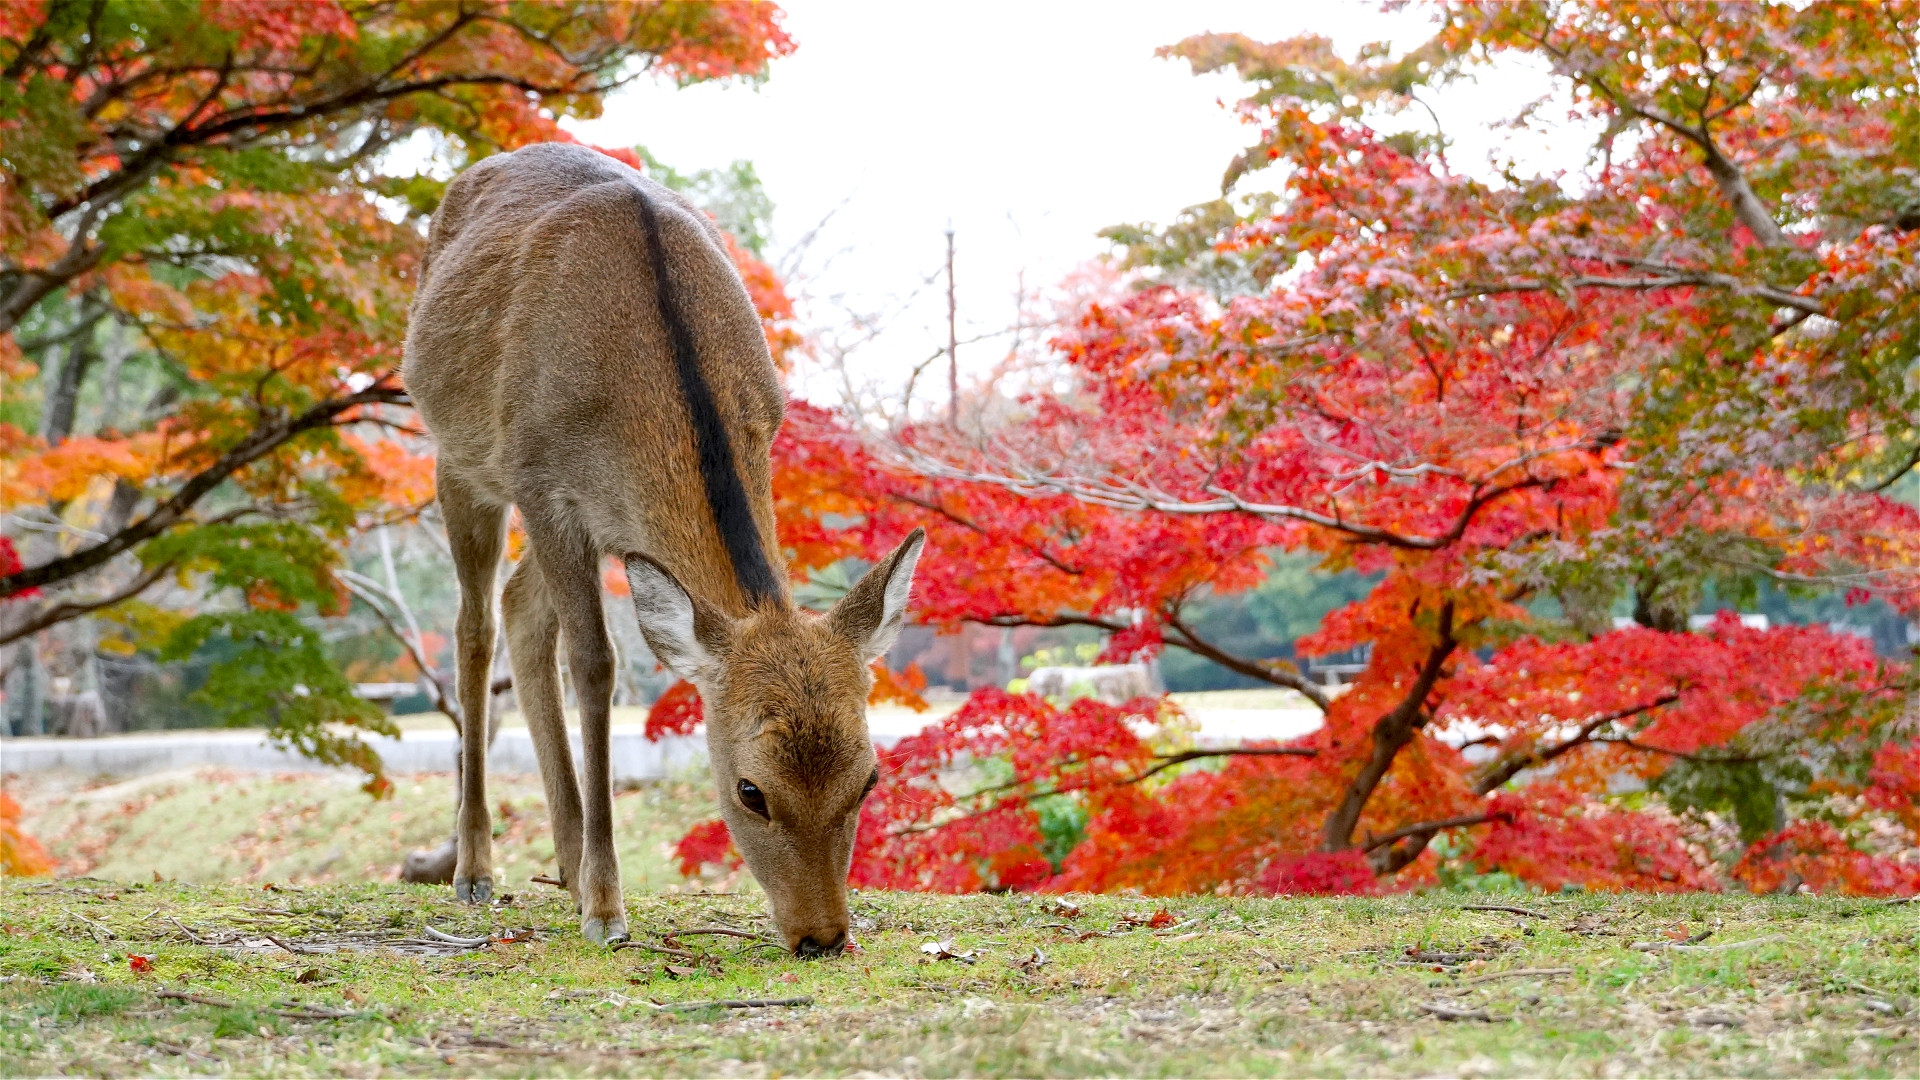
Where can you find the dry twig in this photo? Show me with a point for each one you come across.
(1453, 1012)
(667, 949)
(1515, 974)
(1507, 908)
(751, 1003)
(93, 924)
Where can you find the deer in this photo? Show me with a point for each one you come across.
(582, 349)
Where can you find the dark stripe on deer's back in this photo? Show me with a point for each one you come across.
(726, 495)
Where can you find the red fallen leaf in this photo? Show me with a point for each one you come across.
(140, 964)
(1160, 918)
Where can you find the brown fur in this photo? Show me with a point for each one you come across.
(539, 356)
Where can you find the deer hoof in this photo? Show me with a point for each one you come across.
(473, 890)
(604, 931)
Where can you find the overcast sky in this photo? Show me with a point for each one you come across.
(1027, 126)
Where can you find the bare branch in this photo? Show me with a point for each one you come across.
(1672, 279)
(1266, 671)
(1506, 769)
(1428, 828)
(54, 614)
(1168, 761)
(268, 437)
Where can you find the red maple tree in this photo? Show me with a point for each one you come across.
(1521, 404)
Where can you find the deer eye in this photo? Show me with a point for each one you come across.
(871, 781)
(752, 799)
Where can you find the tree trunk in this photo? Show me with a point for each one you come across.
(63, 391)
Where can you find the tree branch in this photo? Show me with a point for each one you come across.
(1746, 206)
(1187, 640)
(266, 438)
(1117, 493)
(1428, 828)
(54, 614)
(1506, 769)
(1674, 279)
(1907, 466)
(1168, 761)
(1725, 759)
(967, 523)
(365, 589)
(1199, 646)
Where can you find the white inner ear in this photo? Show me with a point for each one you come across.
(665, 612)
(893, 604)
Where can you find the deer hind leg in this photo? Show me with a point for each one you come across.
(533, 632)
(569, 565)
(476, 532)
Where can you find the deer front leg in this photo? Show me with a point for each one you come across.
(476, 533)
(570, 569)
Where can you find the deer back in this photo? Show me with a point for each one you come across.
(582, 346)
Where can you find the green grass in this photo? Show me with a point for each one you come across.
(1238, 986)
(210, 826)
(1235, 987)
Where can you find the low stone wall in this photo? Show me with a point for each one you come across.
(633, 757)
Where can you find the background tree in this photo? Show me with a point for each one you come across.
(1552, 416)
(208, 236)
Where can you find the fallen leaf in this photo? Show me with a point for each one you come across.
(1062, 908)
(307, 976)
(682, 970)
(945, 950)
(789, 977)
(1033, 962)
(140, 964)
(354, 996)
(1161, 918)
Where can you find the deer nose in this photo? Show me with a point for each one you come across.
(811, 947)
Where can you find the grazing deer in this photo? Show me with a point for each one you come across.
(582, 348)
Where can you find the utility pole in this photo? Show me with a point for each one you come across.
(953, 341)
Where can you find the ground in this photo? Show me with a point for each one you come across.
(265, 901)
(344, 980)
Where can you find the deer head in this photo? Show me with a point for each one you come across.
(785, 696)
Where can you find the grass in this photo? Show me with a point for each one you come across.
(209, 826)
(1232, 987)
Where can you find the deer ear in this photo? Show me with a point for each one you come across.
(684, 635)
(874, 610)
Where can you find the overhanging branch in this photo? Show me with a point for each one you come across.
(265, 439)
(53, 614)
(1507, 768)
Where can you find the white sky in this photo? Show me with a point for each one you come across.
(1028, 126)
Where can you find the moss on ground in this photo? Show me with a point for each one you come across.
(210, 826)
(1799, 986)
(260, 869)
